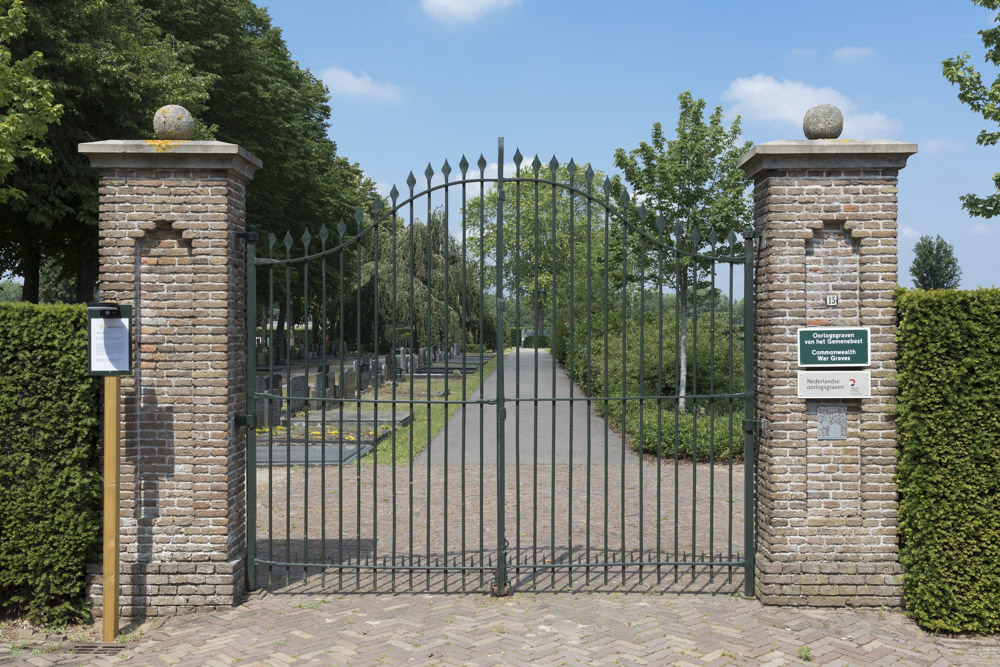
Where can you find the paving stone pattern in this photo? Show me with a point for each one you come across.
(533, 629)
(391, 517)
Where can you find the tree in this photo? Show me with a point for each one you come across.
(546, 255)
(421, 260)
(261, 99)
(934, 266)
(110, 67)
(26, 103)
(233, 72)
(692, 182)
(9, 291)
(982, 99)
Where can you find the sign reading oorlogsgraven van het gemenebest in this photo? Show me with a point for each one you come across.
(834, 346)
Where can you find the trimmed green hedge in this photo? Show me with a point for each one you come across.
(50, 481)
(949, 470)
(674, 428)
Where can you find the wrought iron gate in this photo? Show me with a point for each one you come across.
(385, 453)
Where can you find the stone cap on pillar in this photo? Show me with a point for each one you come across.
(170, 154)
(825, 154)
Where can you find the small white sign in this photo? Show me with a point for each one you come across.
(835, 384)
(109, 344)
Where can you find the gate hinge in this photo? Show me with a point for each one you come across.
(750, 425)
(250, 235)
(250, 421)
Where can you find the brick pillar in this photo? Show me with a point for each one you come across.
(171, 218)
(825, 215)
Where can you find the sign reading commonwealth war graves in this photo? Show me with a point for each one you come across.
(834, 346)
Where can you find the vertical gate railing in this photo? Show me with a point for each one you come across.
(369, 490)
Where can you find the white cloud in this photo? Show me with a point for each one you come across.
(348, 84)
(763, 98)
(462, 11)
(979, 229)
(869, 125)
(941, 146)
(908, 233)
(851, 54)
(508, 170)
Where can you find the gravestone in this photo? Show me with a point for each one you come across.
(298, 388)
(349, 384)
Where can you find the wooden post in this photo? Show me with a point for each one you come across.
(112, 457)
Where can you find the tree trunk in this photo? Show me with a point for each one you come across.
(86, 277)
(30, 267)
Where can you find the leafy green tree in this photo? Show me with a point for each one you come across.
(26, 103)
(420, 258)
(693, 184)
(9, 291)
(110, 67)
(983, 99)
(261, 99)
(547, 257)
(934, 265)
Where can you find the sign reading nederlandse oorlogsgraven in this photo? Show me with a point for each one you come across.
(835, 346)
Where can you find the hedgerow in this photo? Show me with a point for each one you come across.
(949, 469)
(50, 484)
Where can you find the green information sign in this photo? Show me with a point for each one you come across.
(834, 346)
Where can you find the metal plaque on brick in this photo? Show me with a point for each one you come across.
(834, 346)
(831, 422)
(835, 384)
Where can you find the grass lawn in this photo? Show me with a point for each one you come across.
(423, 415)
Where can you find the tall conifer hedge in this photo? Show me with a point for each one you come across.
(949, 470)
(50, 483)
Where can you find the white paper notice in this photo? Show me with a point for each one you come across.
(109, 344)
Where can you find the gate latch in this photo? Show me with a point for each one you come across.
(250, 421)
(751, 425)
(250, 235)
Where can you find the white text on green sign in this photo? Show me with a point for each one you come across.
(834, 346)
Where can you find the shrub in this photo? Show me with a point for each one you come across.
(949, 468)
(713, 429)
(536, 341)
(50, 483)
(650, 369)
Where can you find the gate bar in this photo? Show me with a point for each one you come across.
(749, 380)
(500, 586)
(251, 410)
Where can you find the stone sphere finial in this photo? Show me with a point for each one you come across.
(173, 122)
(823, 121)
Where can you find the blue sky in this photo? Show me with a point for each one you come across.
(418, 81)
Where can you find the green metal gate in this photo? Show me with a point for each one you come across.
(384, 455)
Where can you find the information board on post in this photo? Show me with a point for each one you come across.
(109, 354)
(833, 347)
(109, 339)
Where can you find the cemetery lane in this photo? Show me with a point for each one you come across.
(558, 428)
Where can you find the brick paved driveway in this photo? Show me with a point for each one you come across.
(536, 629)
